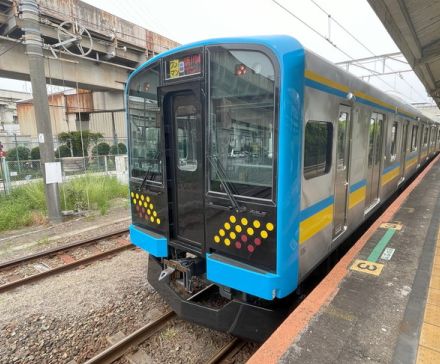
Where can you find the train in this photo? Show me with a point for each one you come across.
(250, 160)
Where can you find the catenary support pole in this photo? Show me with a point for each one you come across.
(34, 51)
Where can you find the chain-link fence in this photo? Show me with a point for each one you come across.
(16, 173)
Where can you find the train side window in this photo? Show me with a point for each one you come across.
(414, 138)
(317, 148)
(393, 149)
(341, 146)
(425, 137)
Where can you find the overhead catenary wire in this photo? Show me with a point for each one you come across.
(328, 40)
(362, 44)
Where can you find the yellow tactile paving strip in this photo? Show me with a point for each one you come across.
(429, 343)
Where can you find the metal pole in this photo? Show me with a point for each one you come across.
(6, 177)
(115, 136)
(34, 51)
(16, 153)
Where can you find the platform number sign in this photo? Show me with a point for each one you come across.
(365, 266)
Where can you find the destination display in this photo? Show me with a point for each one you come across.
(184, 66)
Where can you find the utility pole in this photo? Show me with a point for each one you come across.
(34, 51)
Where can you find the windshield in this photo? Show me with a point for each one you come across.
(144, 125)
(241, 125)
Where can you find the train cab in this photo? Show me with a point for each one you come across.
(206, 175)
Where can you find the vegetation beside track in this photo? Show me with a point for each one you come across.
(26, 204)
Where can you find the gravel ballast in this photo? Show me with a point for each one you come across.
(69, 316)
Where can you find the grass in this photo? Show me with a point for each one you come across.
(26, 204)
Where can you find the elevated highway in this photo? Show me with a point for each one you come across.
(83, 45)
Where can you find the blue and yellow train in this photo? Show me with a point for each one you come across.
(250, 161)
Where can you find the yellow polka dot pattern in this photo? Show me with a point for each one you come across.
(144, 202)
(237, 231)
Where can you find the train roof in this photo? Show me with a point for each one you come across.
(281, 45)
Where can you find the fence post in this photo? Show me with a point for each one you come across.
(106, 163)
(6, 177)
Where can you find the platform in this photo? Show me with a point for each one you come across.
(381, 302)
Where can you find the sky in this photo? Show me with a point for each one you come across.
(190, 20)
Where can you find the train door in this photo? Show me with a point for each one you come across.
(183, 119)
(403, 148)
(375, 133)
(342, 169)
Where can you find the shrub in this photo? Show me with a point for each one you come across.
(63, 151)
(76, 140)
(101, 149)
(35, 153)
(118, 149)
(23, 154)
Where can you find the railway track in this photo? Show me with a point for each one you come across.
(58, 259)
(133, 340)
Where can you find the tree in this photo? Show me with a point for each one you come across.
(23, 154)
(35, 153)
(79, 145)
(101, 149)
(118, 149)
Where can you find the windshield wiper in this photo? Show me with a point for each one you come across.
(149, 171)
(229, 189)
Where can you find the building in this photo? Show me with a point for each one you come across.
(72, 110)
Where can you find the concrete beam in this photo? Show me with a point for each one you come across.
(99, 45)
(430, 52)
(67, 71)
(396, 19)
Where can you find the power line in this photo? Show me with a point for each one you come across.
(11, 47)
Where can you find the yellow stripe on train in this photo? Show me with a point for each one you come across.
(374, 100)
(315, 223)
(339, 86)
(325, 81)
(389, 176)
(357, 197)
(410, 162)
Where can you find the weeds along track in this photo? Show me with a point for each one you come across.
(128, 347)
(31, 268)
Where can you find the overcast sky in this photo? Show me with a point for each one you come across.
(190, 20)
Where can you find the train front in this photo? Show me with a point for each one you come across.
(214, 202)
